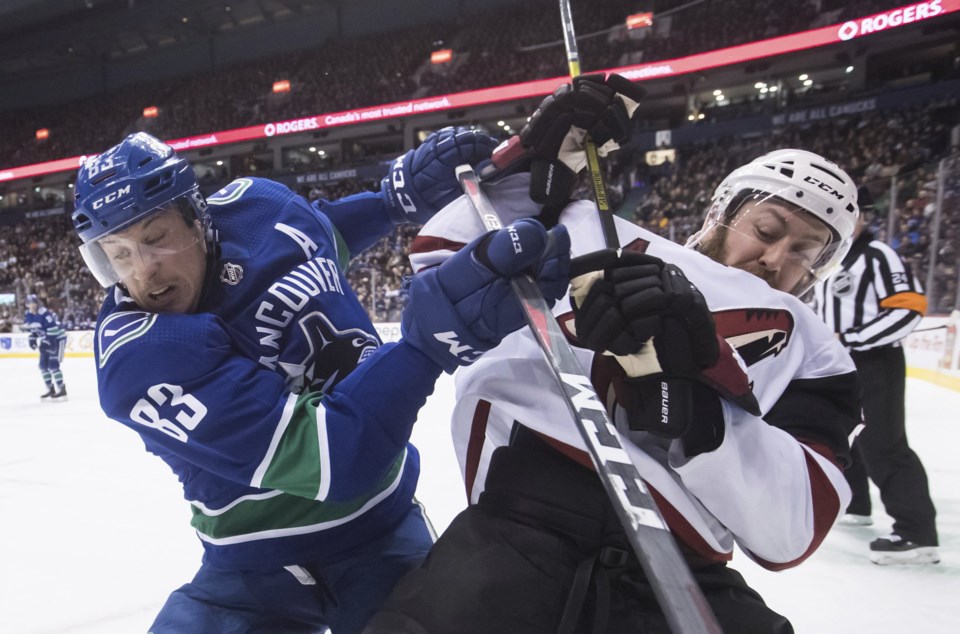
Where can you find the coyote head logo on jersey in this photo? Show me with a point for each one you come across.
(755, 333)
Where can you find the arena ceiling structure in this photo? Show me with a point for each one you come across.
(42, 36)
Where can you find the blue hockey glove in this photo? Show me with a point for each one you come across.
(465, 306)
(33, 343)
(422, 181)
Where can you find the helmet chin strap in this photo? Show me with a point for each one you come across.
(213, 257)
(212, 238)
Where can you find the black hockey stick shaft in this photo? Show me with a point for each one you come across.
(679, 596)
(610, 237)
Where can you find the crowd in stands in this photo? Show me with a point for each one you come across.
(41, 256)
(886, 152)
(879, 149)
(510, 44)
(378, 273)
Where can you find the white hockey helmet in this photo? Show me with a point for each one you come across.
(799, 178)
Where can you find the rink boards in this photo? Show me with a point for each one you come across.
(933, 349)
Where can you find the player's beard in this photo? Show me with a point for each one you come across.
(715, 248)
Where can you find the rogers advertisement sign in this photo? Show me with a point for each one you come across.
(722, 57)
(891, 19)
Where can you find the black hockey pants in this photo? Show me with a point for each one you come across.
(543, 552)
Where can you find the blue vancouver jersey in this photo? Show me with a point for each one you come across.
(43, 325)
(285, 419)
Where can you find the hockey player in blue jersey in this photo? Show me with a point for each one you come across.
(49, 338)
(232, 344)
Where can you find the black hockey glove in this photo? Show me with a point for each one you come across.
(621, 302)
(552, 145)
(657, 325)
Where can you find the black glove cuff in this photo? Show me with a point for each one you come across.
(675, 407)
(660, 404)
(551, 183)
(707, 428)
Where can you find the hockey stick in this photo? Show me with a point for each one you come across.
(679, 596)
(610, 236)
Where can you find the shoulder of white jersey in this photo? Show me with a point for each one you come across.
(722, 285)
(758, 321)
(458, 223)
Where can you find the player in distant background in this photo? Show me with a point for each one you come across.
(230, 341)
(49, 338)
(540, 548)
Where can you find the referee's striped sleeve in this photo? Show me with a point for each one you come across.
(889, 300)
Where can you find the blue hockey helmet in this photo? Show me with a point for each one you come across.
(126, 184)
(31, 299)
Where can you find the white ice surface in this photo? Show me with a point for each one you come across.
(94, 532)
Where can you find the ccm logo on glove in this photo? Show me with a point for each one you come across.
(462, 351)
(402, 198)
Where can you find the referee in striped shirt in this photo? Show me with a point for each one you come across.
(872, 302)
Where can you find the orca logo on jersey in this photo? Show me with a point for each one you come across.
(333, 353)
(755, 333)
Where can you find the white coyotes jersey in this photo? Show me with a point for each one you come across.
(761, 488)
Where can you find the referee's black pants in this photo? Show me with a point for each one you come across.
(884, 454)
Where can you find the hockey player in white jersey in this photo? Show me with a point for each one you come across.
(539, 549)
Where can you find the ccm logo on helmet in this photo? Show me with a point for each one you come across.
(830, 190)
(109, 198)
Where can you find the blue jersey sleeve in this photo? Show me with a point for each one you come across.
(178, 381)
(360, 219)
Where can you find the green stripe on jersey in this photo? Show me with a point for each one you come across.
(343, 253)
(295, 466)
(283, 515)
